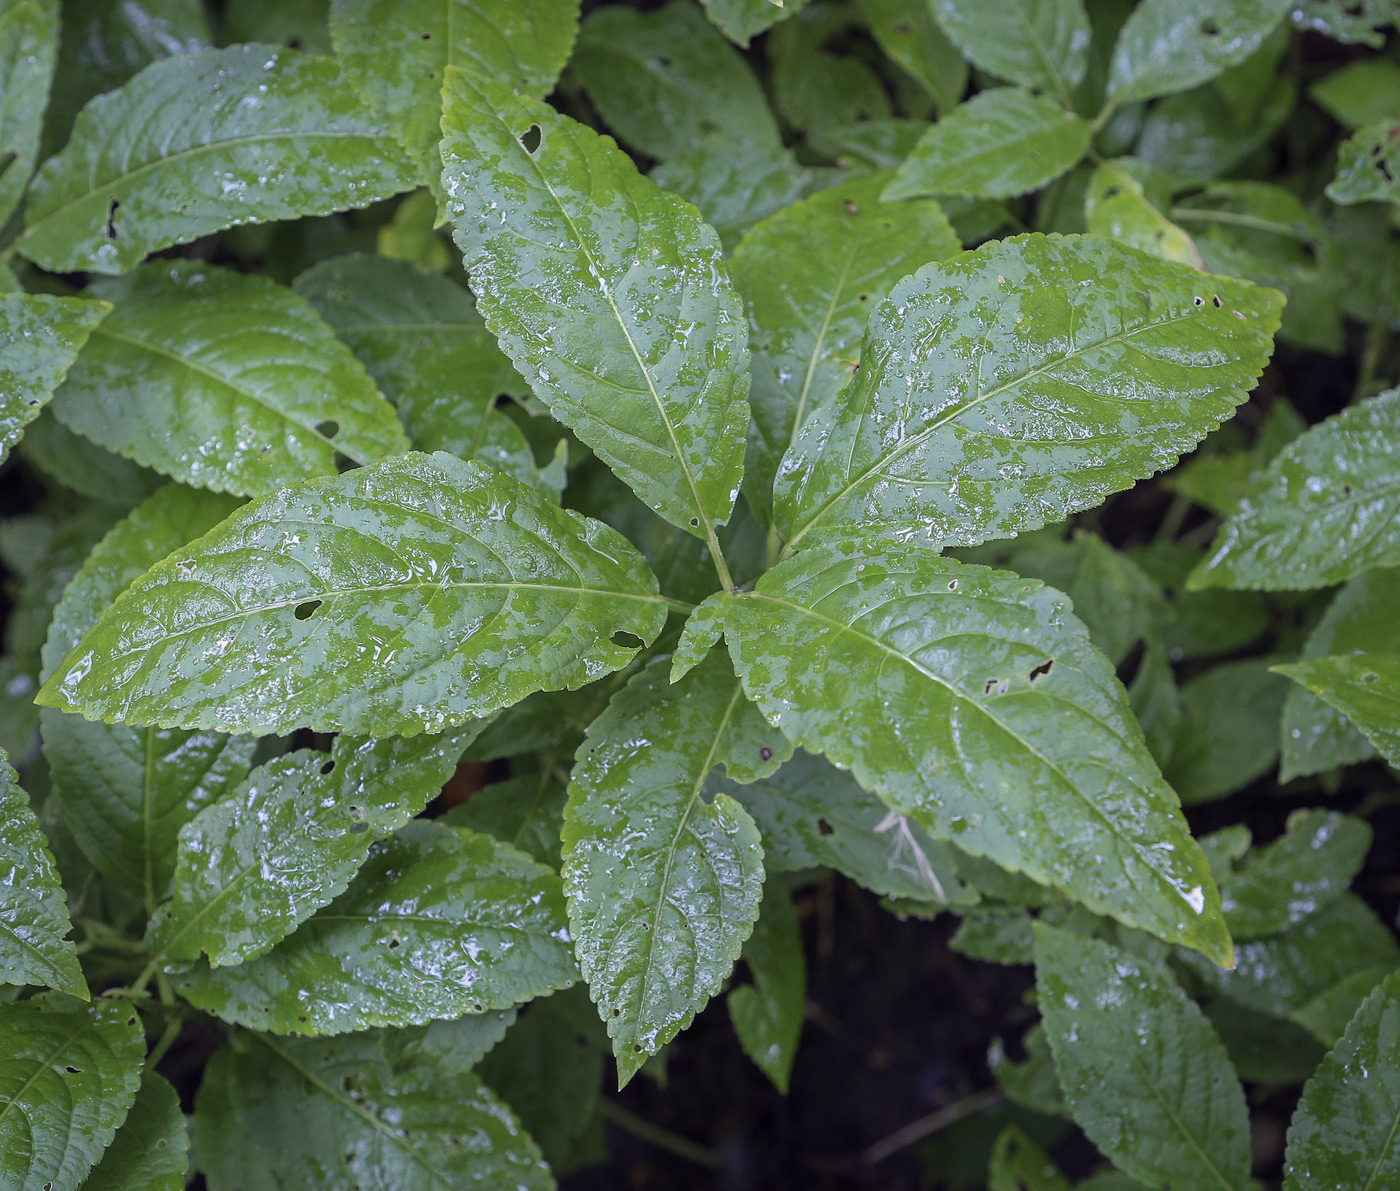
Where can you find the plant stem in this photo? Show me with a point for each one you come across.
(663, 1139)
(1377, 338)
(926, 1126)
(164, 1042)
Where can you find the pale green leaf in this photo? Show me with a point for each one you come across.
(33, 908)
(1326, 508)
(998, 144)
(1019, 1164)
(908, 32)
(607, 293)
(1365, 688)
(663, 885)
(1116, 206)
(1141, 1068)
(812, 815)
(1037, 43)
(1057, 370)
(1361, 92)
(40, 336)
(1368, 166)
(274, 135)
(420, 337)
(1361, 619)
(455, 1046)
(290, 839)
(995, 936)
(743, 20)
(126, 792)
(1351, 21)
(411, 235)
(326, 1114)
(811, 274)
(972, 701)
(395, 53)
(438, 923)
(151, 1149)
(223, 380)
(1174, 45)
(1329, 1013)
(400, 598)
(1346, 1131)
(666, 79)
(1229, 730)
(68, 1076)
(28, 50)
(768, 1013)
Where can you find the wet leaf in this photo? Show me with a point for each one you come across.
(68, 1076)
(439, 922)
(1344, 1133)
(1038, 43)
(1031, 1083)
(1141, 1068)
(525, 811)
(290, 839)
(1019, 1164)
(743, 20)
(1000, 143)
(40, 336)
(768, 1013)
(1326, 508)
(280, 135)
(909, 33)
(28, 51)
(151, 1150)
(1174, 45)
(1329, 1013)
(1058, 370)
(1365, 688)
(811, 274)
(663, 885)
(647, 365)
(1117, 206)
(1351, 21)
(33, 908)
(329, 1113)
(300, 609)
(971, 701)
(1367, 166)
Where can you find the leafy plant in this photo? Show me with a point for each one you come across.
(411, 643)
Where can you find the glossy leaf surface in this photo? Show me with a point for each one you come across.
(608, 294)
(972, 701)
(400, 598)
(1367, 165)
(1010, 386)
(68, 1075)
(663, 886)
(223, 381)
(1038, 43)
(33, 908)
(998, 144)
(40, 336)
(1364, 687)
(1117, 205)
(28, 49)
(275, 1111)
(151, 1149)
(1326, 508)
(742, 20)
(438, 923)
(276, 135)
(1345, 1133)
(767, 1014)
(291, 838)
(1141, 1068)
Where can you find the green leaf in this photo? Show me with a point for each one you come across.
(395, 53)
(742, 20)
(908, 32)
(278, 135)
(303, 24)
(815, 90)
(998, 144)
(665, 79)
(68, 1076)
(325, 1114)
(28, 49)
(663, 886)
(1346, 1131)
(1367, 166)
(525, 811)
(151, 1150)
(405, 597)
(454, 1047)
(1351, 21)
(972, 701)
(1361, 92)
(811, 274)
(411, 235)
(438, 923)
(600, 343)
(40, 337)
(1229, 730)
(1117, 206)
(1329, 1013)
(768, 1013)
(1364, 687)
(995, 936)
(290, 839)
(1201, 623)
(1038, 43)
(1263, 1049)
(223, 380)
(33, 908)
(1361, 619)
(1199, 134)
(812, 815)
(1019, 1164)
(1174, 45)
(1141, 1068)
(126, 792)
(420, 337)
(1326, 508)
(1031, 1083)
(80, 465)
(1119, 362)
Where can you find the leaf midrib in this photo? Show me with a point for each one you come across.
(1176, 1121)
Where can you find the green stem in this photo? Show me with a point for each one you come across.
(1377, 338)
(1171, 522)
(663, 1139)
(721, 567)
(1102, 118)
(164, 1042)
